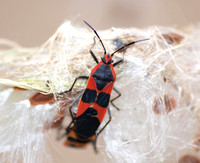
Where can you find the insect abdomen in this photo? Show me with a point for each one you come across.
(87, 123)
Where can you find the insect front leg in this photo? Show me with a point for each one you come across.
(92, 53)
(118, 62)
(79, 77)
(94, 56)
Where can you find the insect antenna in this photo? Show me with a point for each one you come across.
(128, 45)
(97, 36)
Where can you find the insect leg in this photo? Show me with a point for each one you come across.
(95, 144)
(94, 56)
(97, 134)
(119, 94)
(79, 77)
(110, 117)
(92, 53)
(97, 36)
(70, 107)
(117, 62)
(72, 116)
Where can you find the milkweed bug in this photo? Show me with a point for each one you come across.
(94, 100)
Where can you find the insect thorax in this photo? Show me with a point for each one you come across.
(103, 75)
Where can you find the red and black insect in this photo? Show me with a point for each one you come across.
(94, 101)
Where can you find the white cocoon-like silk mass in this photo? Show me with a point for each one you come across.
(158, 120)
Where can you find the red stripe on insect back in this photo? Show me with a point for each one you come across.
(82, 105)
(82, 108)
(91, 83)
(101, 110)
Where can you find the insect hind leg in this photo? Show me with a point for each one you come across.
(95, 144)
(72, 116)
(110, 117)
(98, 133)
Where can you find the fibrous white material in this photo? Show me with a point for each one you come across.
(21, 126)
(158, 119)
(137, 133)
